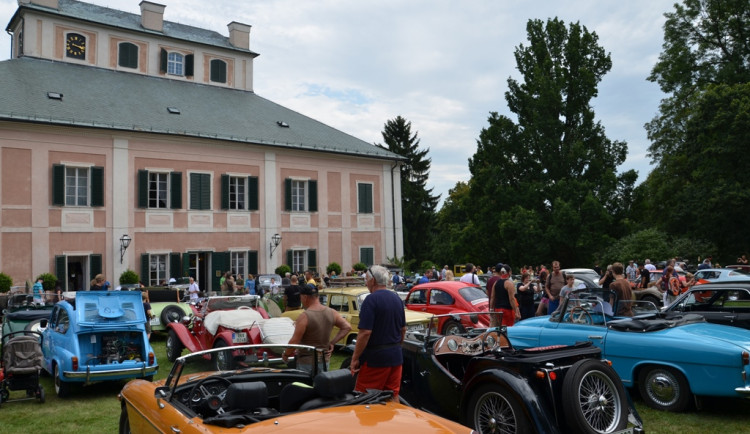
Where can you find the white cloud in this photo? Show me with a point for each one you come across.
(441, 64)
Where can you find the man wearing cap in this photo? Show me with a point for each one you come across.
(313, 327)
(382, 325)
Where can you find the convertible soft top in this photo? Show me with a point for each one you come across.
(653, 323)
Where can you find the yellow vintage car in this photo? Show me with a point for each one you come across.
(347, 302)
(262, 394)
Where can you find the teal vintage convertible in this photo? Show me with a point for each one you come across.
(673, 359)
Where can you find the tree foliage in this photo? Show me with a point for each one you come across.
(417, 202)
(701, 133)
(545, 186)
(705, 42)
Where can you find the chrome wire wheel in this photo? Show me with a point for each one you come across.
(600, 403)
(494, 414)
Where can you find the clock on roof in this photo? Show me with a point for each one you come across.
(75, 46)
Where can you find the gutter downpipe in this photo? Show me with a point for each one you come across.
(393, 210)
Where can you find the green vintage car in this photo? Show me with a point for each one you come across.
(22, 313)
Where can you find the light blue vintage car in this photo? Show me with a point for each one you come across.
(670, 358)
(99, 336)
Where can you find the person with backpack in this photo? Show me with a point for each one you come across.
(671, 285)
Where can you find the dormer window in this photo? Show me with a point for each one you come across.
(218, 71)
(175, 63)
(127, 55)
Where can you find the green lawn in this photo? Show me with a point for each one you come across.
(95, 409)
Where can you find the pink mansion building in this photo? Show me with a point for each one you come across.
(117, 126)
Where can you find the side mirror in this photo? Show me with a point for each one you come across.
(474, 318)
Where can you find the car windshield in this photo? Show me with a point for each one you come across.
(472, 294)
(231, 302)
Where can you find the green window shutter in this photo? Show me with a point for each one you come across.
(288, 194)
(290, 260)
(364, 198)
(95, 263)
(312, 262)
(185, 264)
(175, 265)
(312, 195)
(97, 186)
(220, 265)
(195, 193)
(61, 271)
(163, 57)
(128, 55)
(218, 71)
(189, 65)
(252, 193)
(252, 262)
(367, 255)
(58, 184)
(145, 272)
(175, 190)
(205, 191)
(224, 191)
(143, 189)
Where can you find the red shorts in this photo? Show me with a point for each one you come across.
(509, 317)
(386, 378)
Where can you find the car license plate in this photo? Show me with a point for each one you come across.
(239, 338)
(155, 321)
(416, 327)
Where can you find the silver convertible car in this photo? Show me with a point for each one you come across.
(670, 358)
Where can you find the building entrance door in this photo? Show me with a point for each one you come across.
(198, 268)
(77, 272)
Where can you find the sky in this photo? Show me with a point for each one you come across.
(443, 65)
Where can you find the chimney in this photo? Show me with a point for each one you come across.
(152, 16)
(239, 35)
(52, 4)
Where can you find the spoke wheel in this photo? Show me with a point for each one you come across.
(223, 360)
(597, 402)
(174, 346)
(493, 409)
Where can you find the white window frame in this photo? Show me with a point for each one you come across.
(176, 64)
(299, 260)
(158, 268)
(238, 263)
(79, 192)
(157, 191)
(238, 192)
(300, 190)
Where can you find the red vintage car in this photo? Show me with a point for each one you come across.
(448, 297)
(223, 322)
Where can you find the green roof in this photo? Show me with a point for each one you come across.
(114, 100)
(125, 20)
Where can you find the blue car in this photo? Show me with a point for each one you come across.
(100, 336)
(670, 358)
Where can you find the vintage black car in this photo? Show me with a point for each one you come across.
(478, 379)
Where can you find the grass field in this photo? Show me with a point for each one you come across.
(96, 410)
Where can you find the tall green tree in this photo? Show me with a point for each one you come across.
(417, 202)
(544, 186)
(699, 137)
(705, 42)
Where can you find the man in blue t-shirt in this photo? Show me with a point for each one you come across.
(382, 325)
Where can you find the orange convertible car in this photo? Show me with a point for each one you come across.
(262, 394)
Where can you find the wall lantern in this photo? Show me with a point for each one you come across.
(275, 241)
(124, 244)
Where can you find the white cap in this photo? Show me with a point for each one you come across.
(173, 280)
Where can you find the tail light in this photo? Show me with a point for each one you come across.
(745, 358)
(75, 363)
(541, 374)
(150, 358)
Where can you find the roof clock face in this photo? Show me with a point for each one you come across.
(75, 46)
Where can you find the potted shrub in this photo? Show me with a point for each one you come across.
(333, 266)
(128, 277)
(281, 270)
(50, 281)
